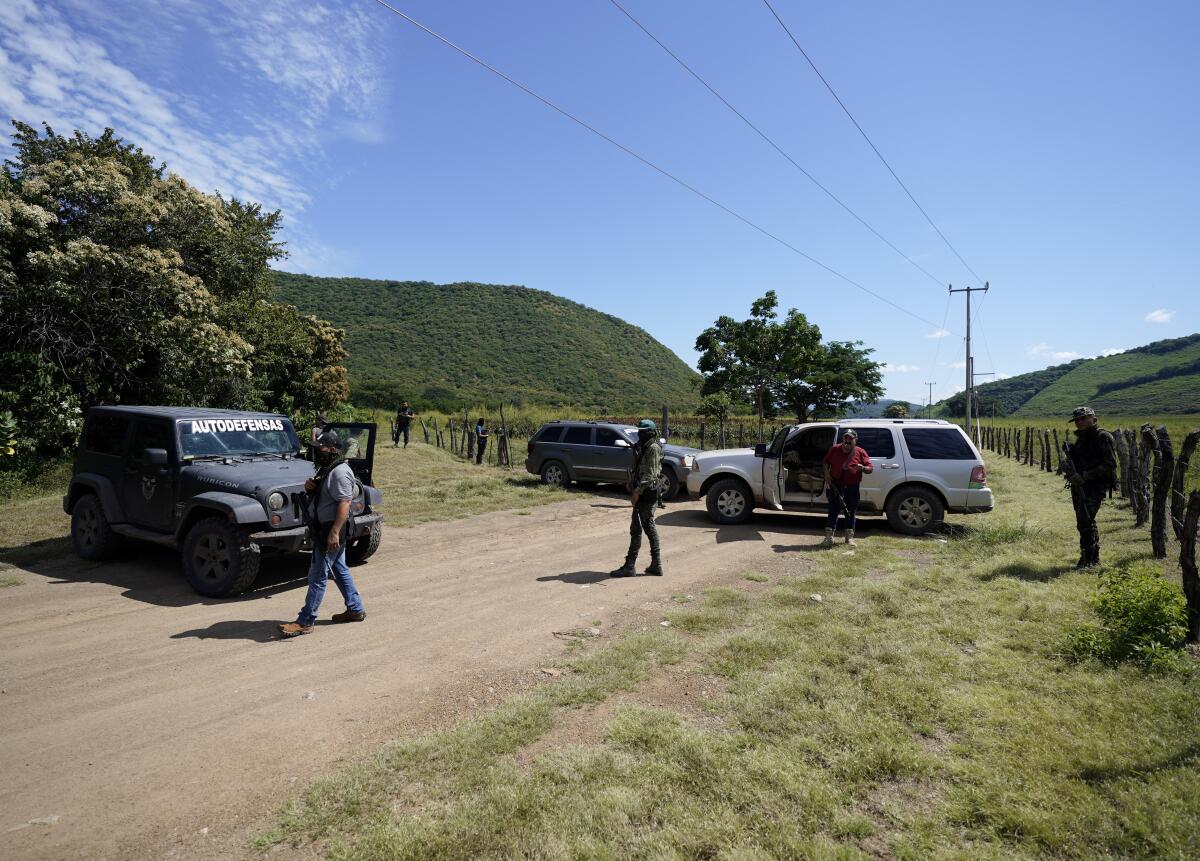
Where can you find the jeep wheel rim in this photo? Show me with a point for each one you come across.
(915, 511)
(89, 527)
(554, 474)
(212, 558)
(731, 503)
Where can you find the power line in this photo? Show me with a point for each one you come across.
(846, 110)
(774, 145)
(545, 101)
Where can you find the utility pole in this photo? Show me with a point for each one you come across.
(970, 392)
(929, 408)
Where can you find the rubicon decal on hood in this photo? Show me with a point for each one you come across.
(222, 425)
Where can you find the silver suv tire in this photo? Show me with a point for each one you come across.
(914, 510)
(555, 473)
(730, 501)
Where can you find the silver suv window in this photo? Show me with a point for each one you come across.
(876, 442)
(937, 444)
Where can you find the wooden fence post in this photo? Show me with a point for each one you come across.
(1147, 448)
(503, 451)
(1058, 467)
(666, 428)
(424, 429)
(1178, 502)
(701, 433)
(1187, 565)
(1122, 460)
(1164, 468)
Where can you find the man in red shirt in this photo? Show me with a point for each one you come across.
(844, 468)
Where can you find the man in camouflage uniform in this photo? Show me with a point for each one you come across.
(643, 487)
(1094, 456)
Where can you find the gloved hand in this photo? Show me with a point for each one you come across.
(1076, 480)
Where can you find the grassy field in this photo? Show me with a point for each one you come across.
(419, 484)
(923, 708)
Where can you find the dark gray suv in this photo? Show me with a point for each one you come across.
(565, 451)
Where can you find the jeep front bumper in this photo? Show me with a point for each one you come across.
(297, 538)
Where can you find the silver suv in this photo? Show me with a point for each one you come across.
(923, 469)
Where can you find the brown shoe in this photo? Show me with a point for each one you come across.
(294, 629)
(350, 616)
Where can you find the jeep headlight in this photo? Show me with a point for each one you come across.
(276, 501)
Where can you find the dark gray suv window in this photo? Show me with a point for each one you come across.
(106, 435)
(578, 436)
(876, 442)
(550, 434)
(607, 436)
(937, 444)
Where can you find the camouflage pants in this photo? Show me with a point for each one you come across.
(643, 520)
(1087, 500)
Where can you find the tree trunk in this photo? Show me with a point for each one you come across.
(1178, 501)
(1187, 565)
(1164, 469)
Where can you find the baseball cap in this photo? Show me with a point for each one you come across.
(1082, 413)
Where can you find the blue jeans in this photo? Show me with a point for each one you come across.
(849, 496)
(323, 566)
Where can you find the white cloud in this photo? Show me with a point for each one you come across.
(301, 74)
(960, 365)
(940, 333)
(889, 368)
(1044, 350)
(1160, 315)
(1113, 351)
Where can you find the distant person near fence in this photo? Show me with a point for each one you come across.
(401, 424)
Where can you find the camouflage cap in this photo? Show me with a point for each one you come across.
(1082, 413)
(646, 424)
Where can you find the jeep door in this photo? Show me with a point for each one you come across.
(149, 488)
(880, 445)
(803, 464)
(358, 447)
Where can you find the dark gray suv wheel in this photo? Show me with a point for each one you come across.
(91, 535)
(553, 472)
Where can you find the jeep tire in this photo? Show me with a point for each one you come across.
(363, 548)
(91, 535)
(914, 510)
(730, 501)
(217, 560)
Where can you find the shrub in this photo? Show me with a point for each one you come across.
(1143, 619)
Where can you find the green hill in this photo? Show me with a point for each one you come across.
(443, 344)
(1159, 378)
(1163, 377)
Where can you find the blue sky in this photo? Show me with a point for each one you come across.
(1053, 144)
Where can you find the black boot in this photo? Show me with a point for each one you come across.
(1085, 561)
(626, 570)
(655, 569)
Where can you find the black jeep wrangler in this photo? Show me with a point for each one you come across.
(221, 485)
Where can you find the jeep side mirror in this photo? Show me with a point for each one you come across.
(760, 450)
(155, 456)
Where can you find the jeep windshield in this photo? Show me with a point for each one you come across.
(237, 437)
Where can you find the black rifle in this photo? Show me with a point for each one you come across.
(1068, 465)
(833, 488)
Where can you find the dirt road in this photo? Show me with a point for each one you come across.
(140, 720)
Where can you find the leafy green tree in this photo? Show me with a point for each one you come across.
(753, 359)
(119, 282)
(716, 406)
(895, 411)
(838, 372)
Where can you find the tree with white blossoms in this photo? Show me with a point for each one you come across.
(120, 282)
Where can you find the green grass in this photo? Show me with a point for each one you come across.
(922, 710)
(5, 582)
